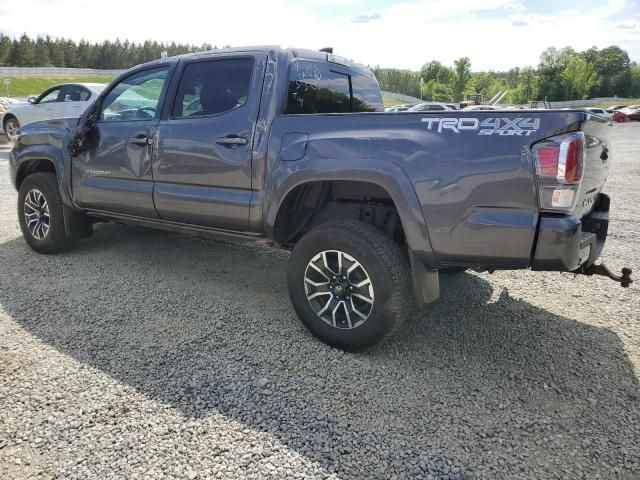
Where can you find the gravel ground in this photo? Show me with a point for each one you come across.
(144, 354)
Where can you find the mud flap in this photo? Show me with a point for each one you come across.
(426, 283)
(76, 225)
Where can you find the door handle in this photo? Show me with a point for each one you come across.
(140, 140)
(231, 141)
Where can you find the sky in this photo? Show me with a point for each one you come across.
(494, 34)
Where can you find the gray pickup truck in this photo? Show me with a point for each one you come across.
(292, 146)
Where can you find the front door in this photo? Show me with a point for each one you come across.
(43, 107)
(203, 170)
(114, 173)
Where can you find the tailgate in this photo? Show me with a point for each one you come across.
(597, 161)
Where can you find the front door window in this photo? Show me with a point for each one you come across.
(136, 97)
(50, 97)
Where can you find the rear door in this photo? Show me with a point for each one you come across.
(203, 170)
(75, 99)
(114, 173)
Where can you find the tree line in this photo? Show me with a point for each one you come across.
(562, 74)
(45, 51)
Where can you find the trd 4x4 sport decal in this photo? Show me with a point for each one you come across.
(489, 126)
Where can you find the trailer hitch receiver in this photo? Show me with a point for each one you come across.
(601, 269)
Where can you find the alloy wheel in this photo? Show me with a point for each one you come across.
(36, 214)
(11, 129)
(338, 289)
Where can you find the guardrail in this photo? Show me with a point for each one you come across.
(8, 72)
(566, 104)
(591, 101)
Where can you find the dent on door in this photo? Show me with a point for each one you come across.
(115, 176)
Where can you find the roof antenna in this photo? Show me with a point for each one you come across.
(327, 50)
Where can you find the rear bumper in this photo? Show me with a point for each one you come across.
(566, 243)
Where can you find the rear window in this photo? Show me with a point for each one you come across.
(366, 93)
(316, 87)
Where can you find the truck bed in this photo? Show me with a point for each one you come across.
(472, 172)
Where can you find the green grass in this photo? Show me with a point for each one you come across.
(390, 102)
(26, 86)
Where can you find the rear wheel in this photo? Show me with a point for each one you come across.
(11, 127)
(349, 284)
(40, 213)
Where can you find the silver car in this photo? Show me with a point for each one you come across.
(66, 100)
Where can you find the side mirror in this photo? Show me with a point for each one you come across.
(32, 99)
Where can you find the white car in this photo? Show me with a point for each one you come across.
(431, 107)
(398, 108)
(66, 100)
(6, 102)
(600, 111)
(473, 108)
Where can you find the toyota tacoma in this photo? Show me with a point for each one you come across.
(293, 146)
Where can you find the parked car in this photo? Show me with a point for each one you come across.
(5, 104)
(619, 116)
(616, 107)
(284, 145)
(61, 101)
(632, 113)
(399, 108)
(429, 107)
(599, 111)
(477, 108)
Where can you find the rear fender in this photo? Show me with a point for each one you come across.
(387, 175)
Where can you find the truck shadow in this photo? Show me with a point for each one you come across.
(205, 326)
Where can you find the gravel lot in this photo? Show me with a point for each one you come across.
(144, 354)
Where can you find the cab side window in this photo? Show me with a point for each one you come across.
(136, 97)
(319, 87)
(51, 96)
(315, 88)
(212, 87)
(75, 93)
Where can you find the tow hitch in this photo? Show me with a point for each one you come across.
(601, 269)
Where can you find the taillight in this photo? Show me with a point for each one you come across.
(548, 159)
(559, 165)
(572, 159)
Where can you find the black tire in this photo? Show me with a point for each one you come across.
(10, 126)
(383, 261)
(55, 240)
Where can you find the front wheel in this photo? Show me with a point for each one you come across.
(349, 284)
(40, 213)
(11, 127)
